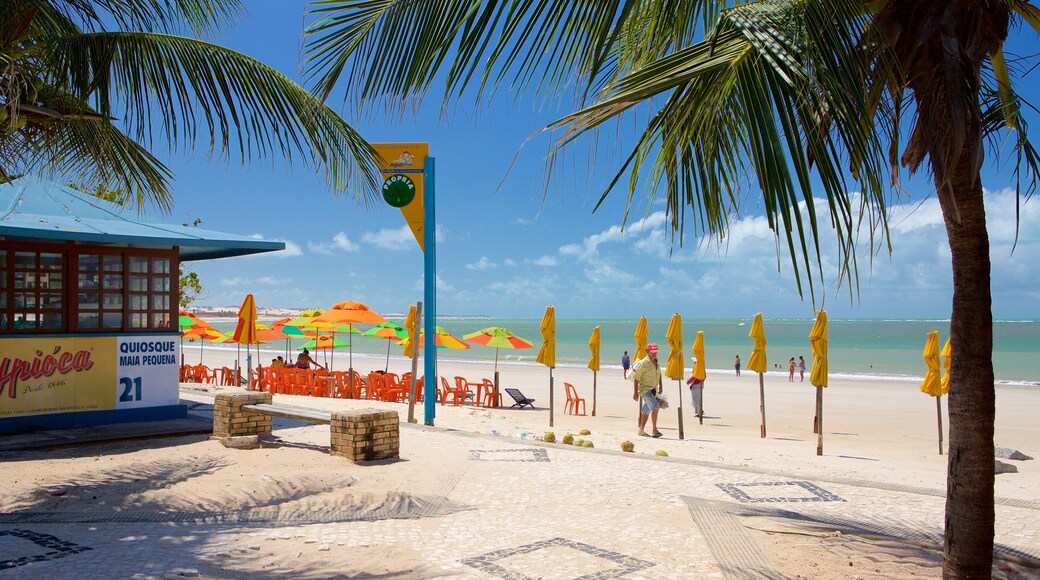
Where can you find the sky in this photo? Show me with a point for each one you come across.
(509, 245)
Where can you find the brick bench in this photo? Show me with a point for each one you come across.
(360, 435)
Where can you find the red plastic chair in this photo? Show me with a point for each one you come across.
(573, 400)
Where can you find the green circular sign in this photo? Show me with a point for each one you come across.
(398, 190)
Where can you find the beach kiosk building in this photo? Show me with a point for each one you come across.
(88, 307)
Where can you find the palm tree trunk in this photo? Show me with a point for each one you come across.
(968, 545)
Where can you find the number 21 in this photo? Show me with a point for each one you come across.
(127, 383)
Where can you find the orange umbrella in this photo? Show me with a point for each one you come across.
(202, 333)
(245, 330)
(349, 313)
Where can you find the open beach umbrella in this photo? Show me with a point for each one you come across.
(547, 352)
(932, 383)
(203, 333)
(186, 321)
(389, 331)
(498, 337)
(594, 343)
(700, 371)
(295, 327)
(675, 369)
(818, 376)
(245, 331)
(442, 339)
(350, 313)
(324, 342)
(757, 363)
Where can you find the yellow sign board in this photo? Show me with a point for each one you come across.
(403, 185)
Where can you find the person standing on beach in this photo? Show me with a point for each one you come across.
(696, 388)
(801, 369)
(790, 370)
(626, 363)
(646, 381)
(736, 364)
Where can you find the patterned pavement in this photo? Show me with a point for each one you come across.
(480, 506)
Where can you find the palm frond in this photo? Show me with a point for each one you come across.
(182, 90)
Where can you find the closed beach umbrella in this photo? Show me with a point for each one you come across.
(675, 369)
(389, 331)
(818, 376)
(412, 353)
(594, 343)
(932, 384)
(641, 337)
(642, 331)
(547, 353)
(409, 327)
(757, 363)
(245, 331)
(947, 355)
(700, 371)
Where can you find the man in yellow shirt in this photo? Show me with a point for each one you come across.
(646, 380)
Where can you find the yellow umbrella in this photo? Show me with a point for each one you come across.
(699, 372)
(640, 336)
(933, 384)
(757, 363)
(818, 376)
(349, 313)
(412, 353)
(547, 353)
(594, 363)
(245, 331)
(947, 355)
(675, 369)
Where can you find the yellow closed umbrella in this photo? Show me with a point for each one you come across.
(757, 363)
(642, 332)
(594, 363)
(547, 353)
(413, 353)
(818, 376)
(947, 354)
(675, 369)
(700, 371)
(641, 336)
(245, 333)
(932, 384)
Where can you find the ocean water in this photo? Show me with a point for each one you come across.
(875, 349)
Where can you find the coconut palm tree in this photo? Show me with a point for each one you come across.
(89, 87)
(808, 97)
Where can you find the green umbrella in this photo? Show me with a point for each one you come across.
(390, 332)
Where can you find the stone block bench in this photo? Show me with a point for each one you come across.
(360, 435)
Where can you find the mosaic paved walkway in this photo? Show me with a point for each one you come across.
(531, 510)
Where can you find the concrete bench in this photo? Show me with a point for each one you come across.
(359, 435)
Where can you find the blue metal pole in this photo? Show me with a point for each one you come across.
(430, 293)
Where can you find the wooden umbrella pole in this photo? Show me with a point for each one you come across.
(700, 416)
(550, 397)
(593, 393)
(762, 401)
(819, 422)
(679, 385)
(938, 416)
(816, 413)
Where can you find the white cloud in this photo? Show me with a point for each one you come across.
(646, 234)
(391, 239)
(292, 249)
(482, 264)
(543, 261)
(261, 281)
(523, 221)
(340, 243)
(509, 262)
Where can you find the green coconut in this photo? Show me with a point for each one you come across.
(587, 444)
(550, 437)
(628, 446)
(662, 453)
(568, 439)
(584, 432)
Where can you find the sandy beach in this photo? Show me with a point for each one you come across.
(290, 509)
(882, 431)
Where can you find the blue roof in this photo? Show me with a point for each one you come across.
(33, 208)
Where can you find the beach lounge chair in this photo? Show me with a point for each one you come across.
(520, 399)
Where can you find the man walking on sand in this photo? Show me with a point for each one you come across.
(646, 379)
(626, 363)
